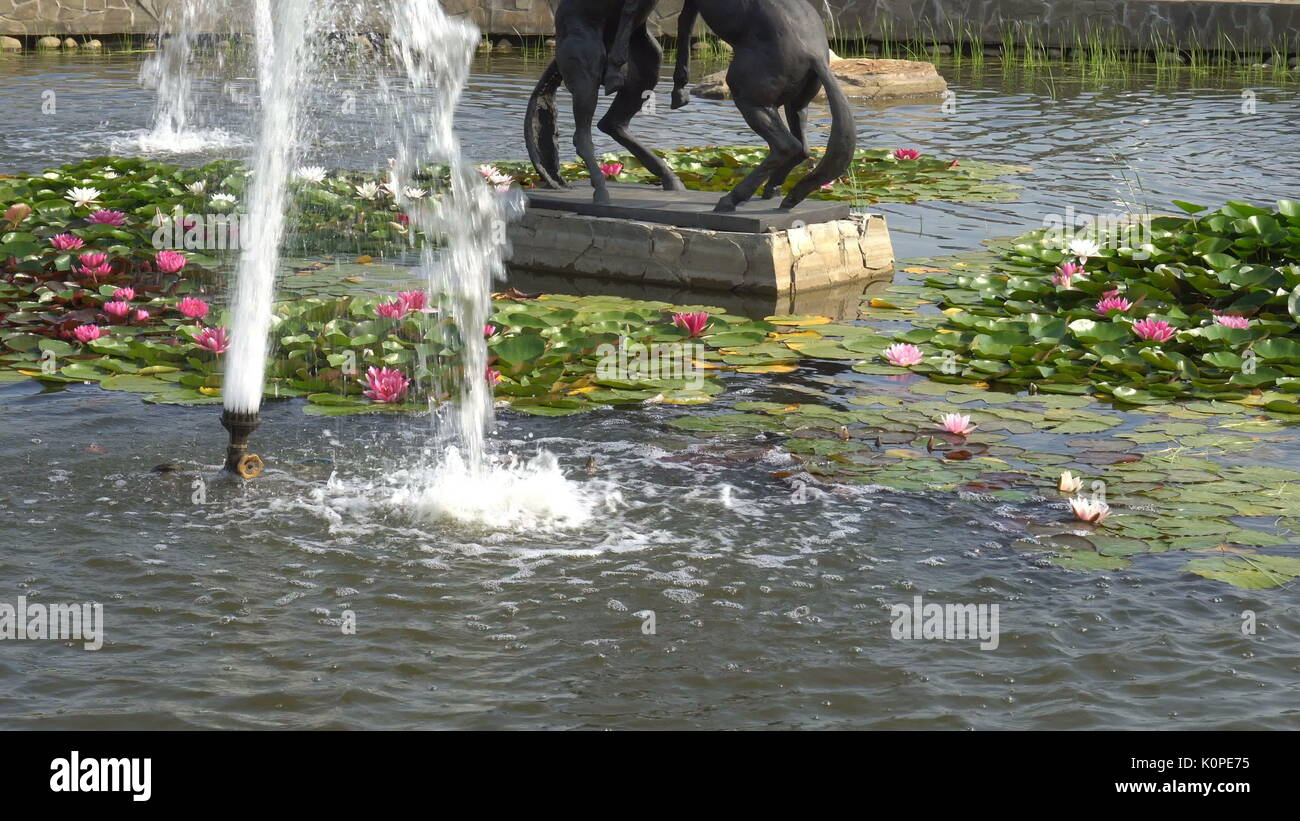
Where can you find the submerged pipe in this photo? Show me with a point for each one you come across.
(238, 460)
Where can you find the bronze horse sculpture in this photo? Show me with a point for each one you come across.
(781, 59)
(585, 32)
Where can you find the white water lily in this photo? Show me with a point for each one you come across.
(414, 193)
(223, 200)
(1084, 249)
(367, 191)
(109, 174)
(1070, 483)
(1088, 510)
(82, 197)
(197, 187)
(311, 173)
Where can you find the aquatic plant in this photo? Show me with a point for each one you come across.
(694, 324)
(387, 385)
(1089, 510)
(214, 339)
(903, 354)
(193, 307)
(956, 423)
(875, 175)
(1012, 322)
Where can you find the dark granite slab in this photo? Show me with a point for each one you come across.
(685, 209)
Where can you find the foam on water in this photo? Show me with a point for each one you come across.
(171, 141)
(514, 495)
(445, 493)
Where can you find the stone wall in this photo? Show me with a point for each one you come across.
(1137, 23)
(64, 17)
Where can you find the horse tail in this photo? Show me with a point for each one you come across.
(541, 128)
(839, 148)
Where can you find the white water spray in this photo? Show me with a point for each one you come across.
(457, 479)
(173, 70)
(435, 53)
(290, 63)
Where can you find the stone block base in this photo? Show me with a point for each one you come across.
(823, 255)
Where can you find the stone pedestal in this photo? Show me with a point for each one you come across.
(782, 261)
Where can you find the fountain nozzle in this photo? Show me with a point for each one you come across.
(238, 460)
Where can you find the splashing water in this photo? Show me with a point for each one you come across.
(462, 482)
(435, 53)
(456, 480)
(171, 70)
(513, 495)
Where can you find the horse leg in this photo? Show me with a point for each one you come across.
(644, 72)
(782, 146)
(633, 10)
(796, 114)
(682, 72)
(581, 68)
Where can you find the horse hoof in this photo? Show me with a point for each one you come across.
(600, 198)
(769, 194)
(724, 206)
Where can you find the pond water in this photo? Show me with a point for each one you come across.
(770, 598)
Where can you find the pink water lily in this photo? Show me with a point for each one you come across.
(93, 266)
(87, 333)
(213, 339)
(1113, 303)
(906, 154)
(193, 307)
(693, 323)
(391, 310)
(17, 212)
(956, 423)
(1231, 321)
(169, 262)
(124, 294)
(1088, 510)
(107, 217)
(413, 300)
(385, 384)
(904, 355)
(611, 169)
(494, 376)
(117, 309)
(1065, 274)
(1154, 330)
(141, 315)
(489, 330)
(67, 242)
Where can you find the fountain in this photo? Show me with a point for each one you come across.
(173, 71)
(433, 53)
(289, 63)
